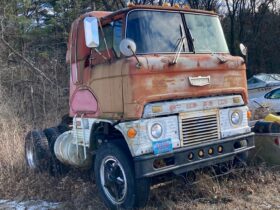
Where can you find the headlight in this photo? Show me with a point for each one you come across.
(156, 130)
(236, 118)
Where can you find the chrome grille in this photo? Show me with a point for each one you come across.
(199, 127)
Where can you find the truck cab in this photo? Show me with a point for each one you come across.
(153, 91)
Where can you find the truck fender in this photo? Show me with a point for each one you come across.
(101, 132)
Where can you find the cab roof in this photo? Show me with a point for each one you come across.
(107, 14)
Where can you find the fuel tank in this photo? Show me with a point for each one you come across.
(68, 152)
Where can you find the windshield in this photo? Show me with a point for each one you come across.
(207, 33)
(159, 32)
(154, 31)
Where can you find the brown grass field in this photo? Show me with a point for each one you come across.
(256, 187)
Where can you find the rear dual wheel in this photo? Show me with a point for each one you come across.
(39, 152)
(56, 167)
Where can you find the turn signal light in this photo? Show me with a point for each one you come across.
(249, 114)
(131, 133)
(220, 149)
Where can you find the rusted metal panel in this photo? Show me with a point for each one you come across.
(158, 81)
(122, 89)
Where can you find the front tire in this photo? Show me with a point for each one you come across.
(115, 179)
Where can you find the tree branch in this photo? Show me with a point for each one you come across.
(6, 43)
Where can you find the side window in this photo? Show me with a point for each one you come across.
(117, 36)
(108, 32)
(275, 94)
(113, 35)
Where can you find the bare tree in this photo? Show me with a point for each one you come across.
(232, 6)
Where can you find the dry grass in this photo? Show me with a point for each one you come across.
(254, 188)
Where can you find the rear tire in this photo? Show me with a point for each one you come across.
(115, 179)
(56, 167)
(37, 152)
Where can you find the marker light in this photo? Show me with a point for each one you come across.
(201, 153)
(190, 156)
(210, 151)
(156, 109)
(166, 4)
(249, 115)
(131, 133)
(186, 6)
(130, 4)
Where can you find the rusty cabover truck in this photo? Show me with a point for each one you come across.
(153, 91)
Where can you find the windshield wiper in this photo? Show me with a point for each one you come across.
(179, 46)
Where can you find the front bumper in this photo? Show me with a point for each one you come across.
(144, 165)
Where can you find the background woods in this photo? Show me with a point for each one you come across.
(34, 93)
(34, 37)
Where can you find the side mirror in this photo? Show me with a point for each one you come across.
(128, 47)
(243, 49)
(91, 32)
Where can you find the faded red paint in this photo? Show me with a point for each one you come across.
(121, 89)
(161, 81)
(89, 102)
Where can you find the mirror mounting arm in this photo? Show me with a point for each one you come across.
(138, 65)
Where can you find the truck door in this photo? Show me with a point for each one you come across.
(106, 70)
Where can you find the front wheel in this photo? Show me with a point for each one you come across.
(115, 179)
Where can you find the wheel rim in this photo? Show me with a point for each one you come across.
(30, 155)
(113, 180)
